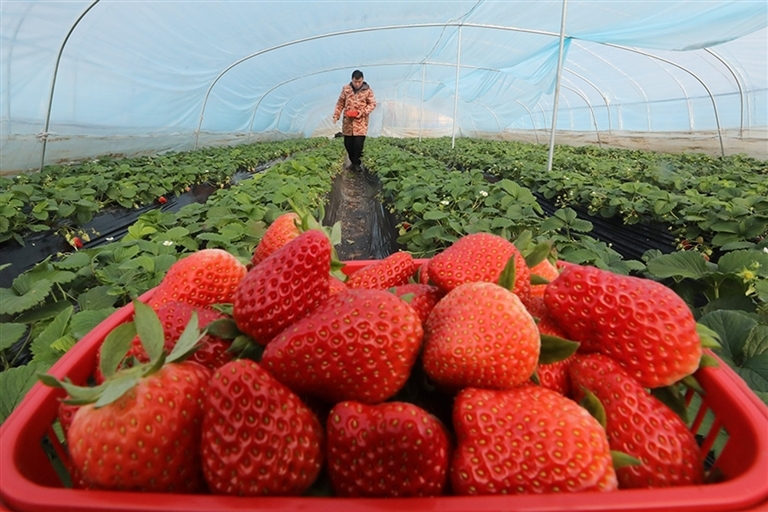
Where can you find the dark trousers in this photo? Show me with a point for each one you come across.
(354, 146)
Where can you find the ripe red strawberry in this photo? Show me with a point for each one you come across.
(423, 297)
(285, 287)
(284, 229)
(548, 271)
(479, 257)
(203, 278)
(146, 440)
(639, 425)
(174, 316)
(423, 273)
(65, 415)
(480, 335)
(336, 285)
(553, 375)
(641, 323)
(77, 243)
(162, 200)
(393, 449)
(527, 440)
(394, 270)
(258, 437)
(357, 345)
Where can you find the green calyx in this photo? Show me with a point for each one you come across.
(118, 380)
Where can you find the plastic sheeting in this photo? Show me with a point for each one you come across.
(84, 78)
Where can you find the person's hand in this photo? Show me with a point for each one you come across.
(352, 113)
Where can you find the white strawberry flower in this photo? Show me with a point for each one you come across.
(484, 193)
(167, 243)
(445, 202)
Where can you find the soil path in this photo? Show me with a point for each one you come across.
(367, 228)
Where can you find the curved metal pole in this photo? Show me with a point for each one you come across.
(533, 122)
(591, 111)
(605, 98)
(44, 135)
(738, 84)
(346, 32)
(694, 75)
(557, 86)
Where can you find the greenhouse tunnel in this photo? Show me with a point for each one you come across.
(88, 78)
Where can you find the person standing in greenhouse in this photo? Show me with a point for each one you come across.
(355, 103)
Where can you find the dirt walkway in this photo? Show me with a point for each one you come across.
(367, 229)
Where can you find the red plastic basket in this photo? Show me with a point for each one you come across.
(29, 481)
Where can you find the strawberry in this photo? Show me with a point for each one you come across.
(162, 200)
(478, 257)
(284, 229)
(421, 297)
(423, 273)
(65, 415)
(336, 285)
(394, 270)
(357, 345)
(140, 430)
(548, 271)
(553, 375)
(480, 335)
(174, 316)
(77, 243)
(527, 440)
(203, 278)
(641, 323)
(258, 437)
(152, 443)
(640, 425)
(283, 288)
(386, 450)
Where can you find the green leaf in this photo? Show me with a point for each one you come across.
(43, 312)
(85, 321)
(187, 341)
(96, 298)
(115, 347)
(116, 387)
(11, 334)
(554, 349)
(671, 397)
(593, 405)
(224, 328)
(149, 329)
(508, 275)
(733, 328)
(708, 337)
(621, 459)
(43, 345)
(754, 371)
(15, 383)
(757, 341)
(737, 262)
(538, 254)
(679, 265)
(12, 302)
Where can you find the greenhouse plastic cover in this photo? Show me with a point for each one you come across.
(85, 78)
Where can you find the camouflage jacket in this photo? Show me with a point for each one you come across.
(361, 100)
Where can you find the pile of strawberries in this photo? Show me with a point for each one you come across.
(473, 372)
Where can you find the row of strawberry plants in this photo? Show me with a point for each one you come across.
(53, 305)
(717, 203)
(63, 197)
(435, 206)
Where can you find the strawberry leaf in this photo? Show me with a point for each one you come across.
(621, 459)
(538, 254)
(554, 349)
(149, 328)
(709, 338)
(593, 405)
(224, 328)
(117, 386)
(672, 398)
(537, 279)
(187, 342)
(507, 276)
(115, 347)
(78, 395)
